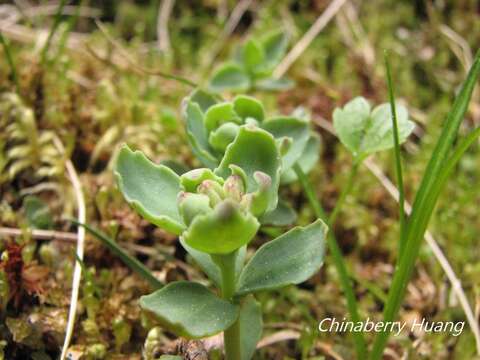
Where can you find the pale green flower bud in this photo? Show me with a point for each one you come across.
(191, 205)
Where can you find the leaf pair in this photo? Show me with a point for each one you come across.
(254, 65)
(192, 311)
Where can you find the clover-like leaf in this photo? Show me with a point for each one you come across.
(150, 189)
(289, 259)
(190, 310)
(248, 107)
(254, 150)
(197, 134)
(364, 132)
(274, 45)
(307, 160)
(251, 326)
(289, 127)
(223, 230)
(231, 77)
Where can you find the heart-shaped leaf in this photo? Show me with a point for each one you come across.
(289, 259)
(223, 230)
(307, 160)
(231, 77)
(251, 326)
(289, 127)
(364, 132)
(254, 150)
(190, 310)
(150, 189)
(197, 134)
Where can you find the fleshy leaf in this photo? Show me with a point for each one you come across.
(191, 205)
(190, 180)
(289, 259)
(364, 132)
(254, 150)
(248, 107)
(220, 138)
(289, 127)
(197, 134)
(150, 189)
(251, 326)
(190, 310)
(219, 114)
(225, 229)
(275, 45)
(282, 215)
(307, 160)
(204, 99)
(230, 77)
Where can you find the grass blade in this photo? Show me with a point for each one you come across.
(130, 261)
(424, 204)
(56, 23)
(11, 63)
(398, 159)
(339, 262)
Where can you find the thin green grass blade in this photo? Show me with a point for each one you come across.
(128, 260)
(424, 203)
(339, 262)
(56, 23)
(11, 63)
(398, 159)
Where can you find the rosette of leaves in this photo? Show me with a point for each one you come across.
(213, 124)
(253, 66)
(216, 214)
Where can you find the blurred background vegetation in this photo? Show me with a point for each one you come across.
(95, 84)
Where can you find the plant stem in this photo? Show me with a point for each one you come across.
(338, 261)
(345, 191)
(231, 336)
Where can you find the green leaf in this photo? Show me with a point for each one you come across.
(254, 150)
(289, 127)
(253, 55)
(223, 136)
(171, 357)
(248, 107)
(223, 230)
(282, 215)
(364, 132)
(219, 114)
(190, 310)
(307, 160)
(251, 326)
(204, 99)
(275, 45)
(150, 189)
(272, 84)
(230, 77)
(289, 259)
(37, 213)
(205, 262)
(197, 134)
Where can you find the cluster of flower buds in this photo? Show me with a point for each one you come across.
(209, 203)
